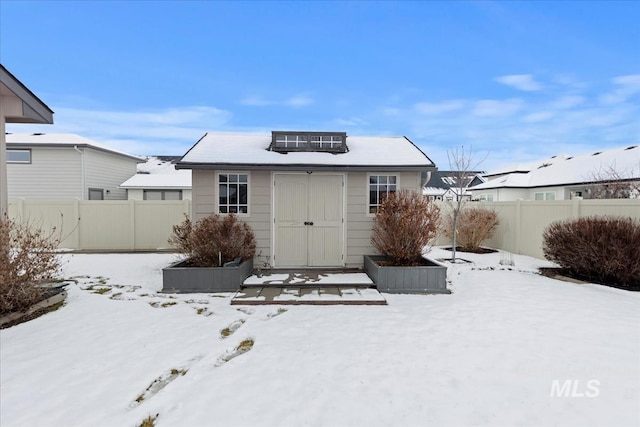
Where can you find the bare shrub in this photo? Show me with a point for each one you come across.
(475, 226)
(27, 260)
(404, 225)
(212, 238)
(604, 249)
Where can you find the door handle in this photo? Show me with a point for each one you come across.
(308, 223)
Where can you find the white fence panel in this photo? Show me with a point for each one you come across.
(102, 224)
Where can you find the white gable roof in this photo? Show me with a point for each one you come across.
(250, 149)
(565, 170)
(61, 140)
(159, 174)
(179, 180)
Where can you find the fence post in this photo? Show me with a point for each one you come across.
(518, 230)
(575, 208)
(76, 223)
(132, 224)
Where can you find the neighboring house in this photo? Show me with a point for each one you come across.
(17, 105)
(566, 177)
(443, 185)
(158, 179)
(310, 197)
(66, 166)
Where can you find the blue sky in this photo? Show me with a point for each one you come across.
(518, 80)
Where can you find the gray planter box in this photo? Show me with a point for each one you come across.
(427, 279)
(177, 278)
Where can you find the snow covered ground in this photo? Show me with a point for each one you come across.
(498, 352)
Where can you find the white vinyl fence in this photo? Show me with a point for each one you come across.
(522, 223)
(146, 224)
(123, 225)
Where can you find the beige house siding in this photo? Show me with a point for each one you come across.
(54, 173)
(107, 171)
(138, 193)
(358, 221)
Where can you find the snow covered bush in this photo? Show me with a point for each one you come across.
(475, 226)
(605, 249)
(27, 260)
(213, 239)
(406, 222)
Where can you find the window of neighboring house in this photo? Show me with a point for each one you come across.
(486, 197)
(233, 193)
(162, 195)
(379, 186)
(549, 195)
(18, 156)
(96, 194)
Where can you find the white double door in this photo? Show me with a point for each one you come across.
(308, 220)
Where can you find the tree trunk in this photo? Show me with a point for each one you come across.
(455, 234)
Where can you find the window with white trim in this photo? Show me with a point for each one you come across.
(379, 186)
(233, 193)
(486, 197)
(548, 195)
(18, 156)
(162, 195)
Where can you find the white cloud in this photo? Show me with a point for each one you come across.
(298, 101)
(568, 101)
(255, 101)
(626, 87)
(429, 108)
(524, 82)
(294, 101)
(168, 131)
(496, 108)
(537, 117)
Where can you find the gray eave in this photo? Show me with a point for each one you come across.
(33, 109)
(308, 167)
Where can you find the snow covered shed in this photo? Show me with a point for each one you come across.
(310, 197)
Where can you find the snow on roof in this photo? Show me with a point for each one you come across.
(62, 140)
(563, 170)
(159, 174)
(181, 179)
(525, 167)
(252, 149)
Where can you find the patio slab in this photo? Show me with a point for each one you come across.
(292, 295)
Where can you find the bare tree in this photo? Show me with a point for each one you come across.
(611, 183)
(461, 163)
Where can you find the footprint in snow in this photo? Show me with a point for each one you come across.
(276, 313)
(229, 330)
(164, 380)
(241, 349)
(246, 310)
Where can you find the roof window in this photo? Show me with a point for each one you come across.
(292, 141)
(631, 148)
(596, 153)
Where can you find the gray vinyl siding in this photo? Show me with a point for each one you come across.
(54, 173)
(359, 222)
(260, 218)
(107, 171)
(205, 196)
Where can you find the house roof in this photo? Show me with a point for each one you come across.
(448, 179)
(568, 170)
(32, 110)
(28, 140)
(180, 179)
(250, 151)
(159, 172)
